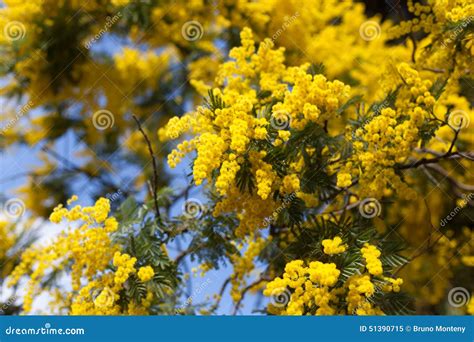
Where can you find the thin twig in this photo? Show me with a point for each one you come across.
(186, 252)
(437, 71)
(456, 133)
(155, 169)
(445, 174)
(448, 155)
(466, 155)
(75, 168)
(244, 292)
(413, 53)
(429, 245)
(221, 293)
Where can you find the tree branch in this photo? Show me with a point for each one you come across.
(221, 293)
(429, 243)
(444, 173)
(244, 292)
(448, 155)
(73, 167)
(155, 169)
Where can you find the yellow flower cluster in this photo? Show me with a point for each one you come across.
(227, 175)
(89, 252)
(312, 98)
(431, 17)
(226, 133)
(125, 266)
(393, 285)
(333, 246)
(344, 179)
(323, 274)
(210, 148)
(316, 290)
(311, 286)
(389, 139)
(446, 52)
(86, 249)
(371, 255)
(291, 183)
(359, 289)
(146, 273)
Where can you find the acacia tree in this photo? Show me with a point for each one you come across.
(333, 150)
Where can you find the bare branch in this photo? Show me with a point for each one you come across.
(244, 292)
(221, 293)
(445, 174)
(70, 166)
(155, 169)
(427, 245)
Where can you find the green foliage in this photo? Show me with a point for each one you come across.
(214, 101)
(141, 236)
